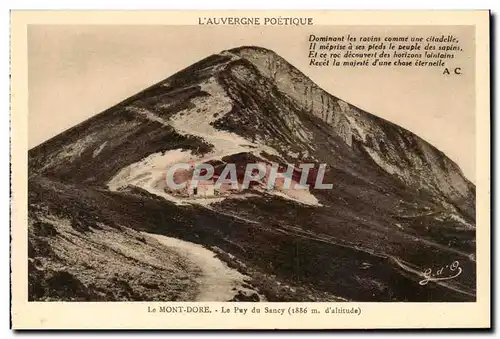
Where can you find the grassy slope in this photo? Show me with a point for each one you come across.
(289, 257)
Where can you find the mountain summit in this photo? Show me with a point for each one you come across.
(398, 205)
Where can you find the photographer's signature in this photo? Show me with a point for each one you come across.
(443, 273)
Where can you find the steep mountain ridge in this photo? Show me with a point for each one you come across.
(395, 149)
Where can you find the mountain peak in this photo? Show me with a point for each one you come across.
(261, 91)
(255, 49)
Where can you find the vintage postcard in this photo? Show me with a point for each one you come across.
(250, 170)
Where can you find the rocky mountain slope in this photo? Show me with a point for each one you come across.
(398, 205)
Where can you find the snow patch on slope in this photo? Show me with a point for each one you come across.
(71, 151)
(99, 149)
(147, 114)
(198, 121)
(459, 219)
(301, 196)
(357, 127)
(388, 167)
(150, 173)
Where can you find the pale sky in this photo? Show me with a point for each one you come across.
(78, 71)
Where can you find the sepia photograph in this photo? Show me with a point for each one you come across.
(270, 160)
